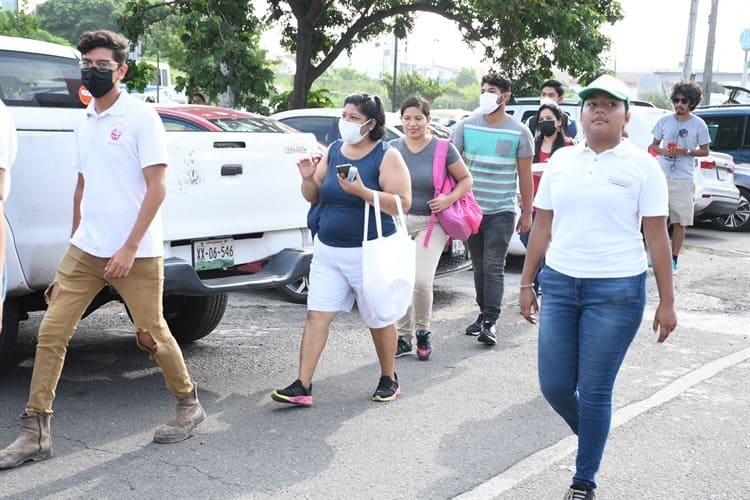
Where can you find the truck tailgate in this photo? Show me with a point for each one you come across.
(226, 183)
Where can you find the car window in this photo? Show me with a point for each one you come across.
(726, 132)
(325, 128)
(172, 124)
(39, 80)
(250, 125)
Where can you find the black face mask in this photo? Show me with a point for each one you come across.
(97, 82)
(547, 128)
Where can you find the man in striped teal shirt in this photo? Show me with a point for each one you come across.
(498, 149)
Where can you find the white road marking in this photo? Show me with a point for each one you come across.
(542, 459)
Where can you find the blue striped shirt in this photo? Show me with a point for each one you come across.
(491, 152)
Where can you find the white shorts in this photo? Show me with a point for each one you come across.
(336, 282)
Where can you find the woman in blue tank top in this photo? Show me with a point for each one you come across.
(336, 268)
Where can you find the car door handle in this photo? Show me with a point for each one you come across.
(231, 170)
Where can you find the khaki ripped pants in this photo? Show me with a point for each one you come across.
(79, 278)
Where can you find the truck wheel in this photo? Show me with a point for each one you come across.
(9, 333)
(192, 318)
(739, 220)
(296, 291)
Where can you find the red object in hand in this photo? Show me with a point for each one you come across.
(671, 145)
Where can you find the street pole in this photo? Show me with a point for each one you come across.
(395, 70)
(687, 66)
(708, 70)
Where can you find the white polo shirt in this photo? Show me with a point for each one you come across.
(112, 149)
(598, 201)
(8, 146)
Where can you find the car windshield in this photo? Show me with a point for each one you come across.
(251, 125)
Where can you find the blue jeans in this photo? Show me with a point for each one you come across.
(585, 328)
(488, 249)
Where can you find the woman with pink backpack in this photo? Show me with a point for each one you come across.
(419, 150)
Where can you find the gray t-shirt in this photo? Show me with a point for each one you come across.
(420, 168)
(691, 133)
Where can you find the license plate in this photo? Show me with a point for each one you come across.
(457, 247)
(213, 254)
(721, 174)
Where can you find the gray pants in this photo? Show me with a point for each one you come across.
(488, 249)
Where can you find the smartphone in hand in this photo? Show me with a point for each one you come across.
(347, 171)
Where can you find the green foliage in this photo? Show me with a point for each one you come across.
(342, 82)
(139, 75)
(25, 25)
(410, 84)
(215, 43)
(659, 98)
(71, 18)
(526, 40)
(316, 99)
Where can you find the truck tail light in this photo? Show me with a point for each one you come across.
(709, 164)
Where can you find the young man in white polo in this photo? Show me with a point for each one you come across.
(117, 239)
(679, 138)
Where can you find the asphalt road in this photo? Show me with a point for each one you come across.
(471, 422)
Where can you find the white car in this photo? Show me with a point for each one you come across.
(323, 122)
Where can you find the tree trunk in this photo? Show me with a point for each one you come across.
(303, 59)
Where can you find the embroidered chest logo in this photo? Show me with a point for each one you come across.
(115, 134)
(619, 182)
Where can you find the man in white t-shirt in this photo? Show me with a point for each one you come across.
(679, 138)
(7, 157)
(117, 239)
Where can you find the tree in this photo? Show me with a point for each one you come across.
(527, 39)
(318, 31)
(412, 83)
(217, 48)
(70, 18)
(25, 25)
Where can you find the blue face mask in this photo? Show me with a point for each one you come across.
(97, 82)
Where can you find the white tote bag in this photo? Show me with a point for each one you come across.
(388, 266)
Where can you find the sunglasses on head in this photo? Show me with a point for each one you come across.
(683, 100)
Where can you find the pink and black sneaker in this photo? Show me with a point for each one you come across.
(424, 348)
(295, 394)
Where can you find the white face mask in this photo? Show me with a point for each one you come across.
(350, 131)
(488, 102)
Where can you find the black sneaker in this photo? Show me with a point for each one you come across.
(579, 492)
(424, 348)
(474, 328)
(403, 348)
(487, 334)
(387, 390)
(295, 394)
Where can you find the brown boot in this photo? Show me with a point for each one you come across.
(34, 443)
(188, 414)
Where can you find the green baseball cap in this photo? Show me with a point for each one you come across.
(608, 84)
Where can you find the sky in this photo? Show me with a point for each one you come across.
(652, 36)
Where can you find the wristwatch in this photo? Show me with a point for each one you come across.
(688, 152)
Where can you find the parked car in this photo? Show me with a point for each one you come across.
(729, 128)
(323, 122)
(196, 118)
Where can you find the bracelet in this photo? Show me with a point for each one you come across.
(526, 286)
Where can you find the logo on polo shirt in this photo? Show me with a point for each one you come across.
(115, 134)
(619, 182)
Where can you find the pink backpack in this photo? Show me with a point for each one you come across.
(461, 219)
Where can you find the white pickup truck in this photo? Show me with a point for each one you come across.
(235, 192)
